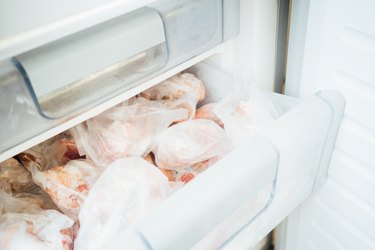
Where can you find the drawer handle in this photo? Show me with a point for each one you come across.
(93, 65)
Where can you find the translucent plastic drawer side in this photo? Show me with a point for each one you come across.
(191, 26)
(84, 69)
(221, 200)
(49, 85)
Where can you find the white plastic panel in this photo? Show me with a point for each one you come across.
(82, 70)
(22, 29)
(191, 26)
(68, 60)
(339, 55)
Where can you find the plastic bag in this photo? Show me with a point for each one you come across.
(35, 231)
(203, 165)
(189, 142)
(55, 151)
(14, 178)
(125, 191)
(175, 87)
(125, 130)
(24, 225)
(207, 112)
(179, 91)
(18, 205)
(38, 196)
(67, 185)
(244, 111)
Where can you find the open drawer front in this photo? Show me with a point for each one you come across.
(246, 194)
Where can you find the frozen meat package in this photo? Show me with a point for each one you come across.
(55, 151)
(190, 142)
(126, 191)
(67, 185)
(25, 225)
(129, 128)
(125, 130)
(14, 178)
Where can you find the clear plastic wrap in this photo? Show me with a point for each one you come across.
(125, 191)
(125, 130)
(207, 112)
(189, 142)
(38, 196)
(242, 112)
(179, 91)
(55, 151)
(14, 178)
(67, 185)
(24, 225)
(45, 229)
(175, 87)
(10, 203)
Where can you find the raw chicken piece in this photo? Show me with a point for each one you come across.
(54, 152)
(18, 205)
(125, 192)
(38, 196)
(34, 196)
(203, 165)
(180, 91)
(175, 87)
(243, 112)
(125, 130)
(189, 142)
(24, 225)
(207, 112)
(14, 178)
(67, 185)
(170, 174)
(150, 158)
(186, 177)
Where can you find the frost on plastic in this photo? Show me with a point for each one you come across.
(125, 191)
(126, 130)
(190, 142)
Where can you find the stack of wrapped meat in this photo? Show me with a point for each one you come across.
(81, 187)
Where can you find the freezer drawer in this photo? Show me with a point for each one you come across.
(245, 195)
(46, 86)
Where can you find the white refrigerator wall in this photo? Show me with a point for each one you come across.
(253, 51)
(332, 46)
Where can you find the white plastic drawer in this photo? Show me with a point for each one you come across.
(46, 87)
(241, 198)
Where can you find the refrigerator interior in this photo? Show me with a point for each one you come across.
(274, 184)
